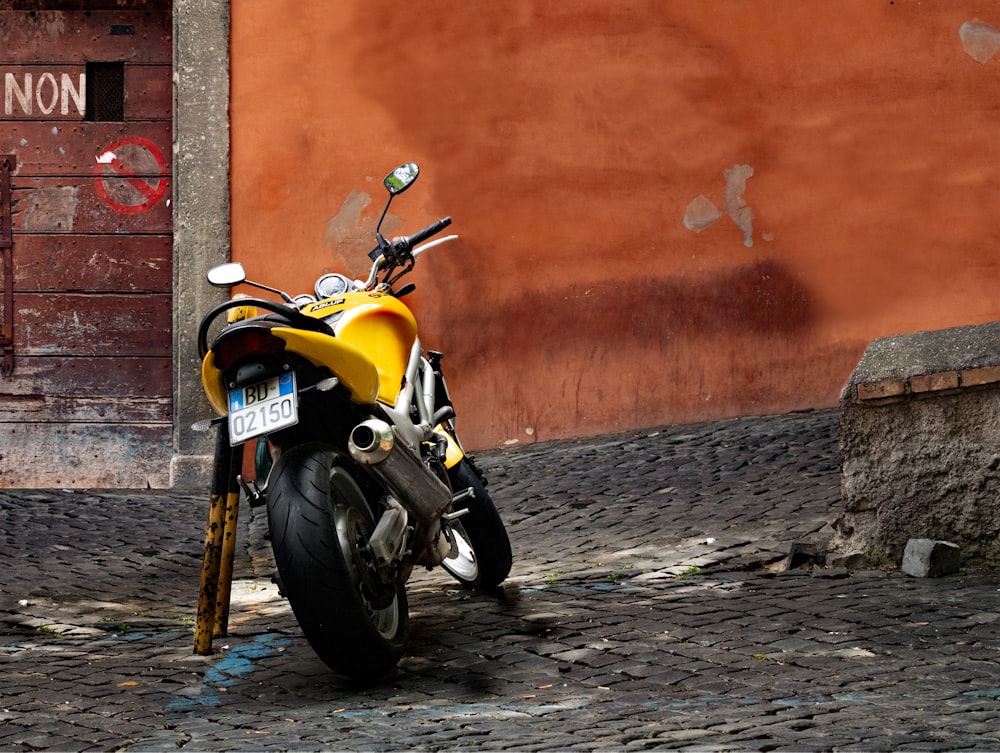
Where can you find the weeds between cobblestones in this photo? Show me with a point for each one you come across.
(642, 613)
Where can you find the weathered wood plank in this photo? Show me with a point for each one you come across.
(92, 325)
(61, 149)
(114, 203)
(93, 263)
(86, 5)
(77, 36)
(99, 410)
(149, 93)
(68, 377)
(82, 456)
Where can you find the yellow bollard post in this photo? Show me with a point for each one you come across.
(214, 531)
(231, 517)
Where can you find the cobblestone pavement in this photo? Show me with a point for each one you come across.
(645, 610)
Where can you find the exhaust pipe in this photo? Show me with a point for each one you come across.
(376, 445)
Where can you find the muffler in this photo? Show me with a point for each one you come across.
(376, 445)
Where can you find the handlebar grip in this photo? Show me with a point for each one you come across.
(433, 229)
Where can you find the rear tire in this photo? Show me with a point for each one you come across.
(320, 523)
(484, 554)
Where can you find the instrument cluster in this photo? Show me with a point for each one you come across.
(333, 284)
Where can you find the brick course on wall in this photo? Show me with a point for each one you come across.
(925, 383)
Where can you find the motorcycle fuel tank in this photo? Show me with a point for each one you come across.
(377, 324)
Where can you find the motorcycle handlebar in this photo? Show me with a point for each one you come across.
(395, 252)
(433, 229)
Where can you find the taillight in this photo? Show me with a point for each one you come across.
(240, 343)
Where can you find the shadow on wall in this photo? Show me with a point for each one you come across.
(761, 299)
(611, 356)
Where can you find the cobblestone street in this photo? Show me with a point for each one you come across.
(646, 609)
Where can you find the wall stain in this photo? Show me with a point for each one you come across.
(761, 299)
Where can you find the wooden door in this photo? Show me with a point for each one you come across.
(85, 393)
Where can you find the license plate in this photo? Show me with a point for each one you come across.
(262, 408)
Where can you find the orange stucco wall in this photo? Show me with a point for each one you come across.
(849, 149)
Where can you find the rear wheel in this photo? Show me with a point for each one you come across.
(483, 556)
(320, 524)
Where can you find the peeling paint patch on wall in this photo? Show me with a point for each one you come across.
(736, 207)
(349, 234)
(701, 213)
(346, 223)
(980, 40)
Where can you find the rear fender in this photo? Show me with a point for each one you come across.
(352, 367)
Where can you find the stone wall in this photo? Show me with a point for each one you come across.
(920, 447)
(201, 214)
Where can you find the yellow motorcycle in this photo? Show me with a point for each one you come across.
(369, 478)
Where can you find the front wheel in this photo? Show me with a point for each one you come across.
(483, 557)
(320, 524)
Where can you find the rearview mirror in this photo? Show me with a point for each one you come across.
(401, 178)
(227, 275)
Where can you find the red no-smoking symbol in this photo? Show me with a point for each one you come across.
(131, 175)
